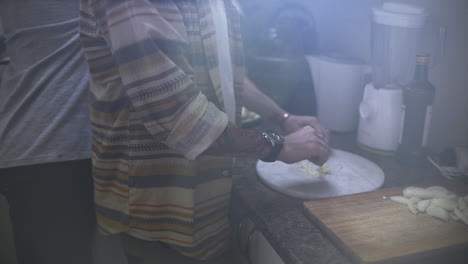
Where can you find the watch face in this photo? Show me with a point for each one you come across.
(268, 138)
(274, 138)
(277, 137)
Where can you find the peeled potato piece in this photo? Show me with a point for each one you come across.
(447, 204)
(437, 188)
(441, 192)
(412, 207)
(417, 192)
(422, 205)
(437, 212)
(400, 199)
(444, 195)
(461, 215)
(454, 217)
(462, 204)
(435, 201)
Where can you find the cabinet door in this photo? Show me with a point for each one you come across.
(261, 252)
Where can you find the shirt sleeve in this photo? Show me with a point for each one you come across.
(149, 53)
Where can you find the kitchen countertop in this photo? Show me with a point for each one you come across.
(281, 218)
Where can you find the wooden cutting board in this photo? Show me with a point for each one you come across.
(371, 229)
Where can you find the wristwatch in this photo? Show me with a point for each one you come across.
(276, 141)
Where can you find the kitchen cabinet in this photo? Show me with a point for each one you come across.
(252, 246)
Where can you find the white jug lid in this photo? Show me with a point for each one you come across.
(400, 15)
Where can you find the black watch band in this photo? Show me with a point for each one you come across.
(276, 141)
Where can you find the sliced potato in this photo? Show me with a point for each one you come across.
(461, 215)
(441, 192)
(461, 203)
(400, 199)
(437, 188)
(417, 192)
(437, 212)
(412, 207)
(422, 205)
(447, 204)
(454, 217)
(435, 201)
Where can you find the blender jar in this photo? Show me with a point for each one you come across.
(396, 36)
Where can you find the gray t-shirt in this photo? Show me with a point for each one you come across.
(44, 112)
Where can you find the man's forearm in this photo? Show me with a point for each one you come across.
(249, 142)
(245, 142)
(255, 100)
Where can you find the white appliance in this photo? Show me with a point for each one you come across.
(397, 31)
(338, 83)
(380, 119)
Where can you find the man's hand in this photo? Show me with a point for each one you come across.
(304, 144)
(295, 122)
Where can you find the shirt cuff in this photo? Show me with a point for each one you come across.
(198, 127)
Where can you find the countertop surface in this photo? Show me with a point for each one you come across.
(282, 221)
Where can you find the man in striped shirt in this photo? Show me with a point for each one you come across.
(167, 83)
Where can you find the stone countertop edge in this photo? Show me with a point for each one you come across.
(282, 221)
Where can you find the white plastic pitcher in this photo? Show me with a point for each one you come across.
(338, 84)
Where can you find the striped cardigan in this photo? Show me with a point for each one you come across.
(157, 105)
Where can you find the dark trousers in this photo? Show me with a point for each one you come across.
(51, 209)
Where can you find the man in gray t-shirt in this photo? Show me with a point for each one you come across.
(45, 170)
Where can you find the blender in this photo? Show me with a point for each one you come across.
(397, 31)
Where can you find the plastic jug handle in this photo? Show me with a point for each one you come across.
(365, 111)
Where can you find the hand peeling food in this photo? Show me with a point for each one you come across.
(435, 201)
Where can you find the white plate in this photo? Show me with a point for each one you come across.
(349, 174)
